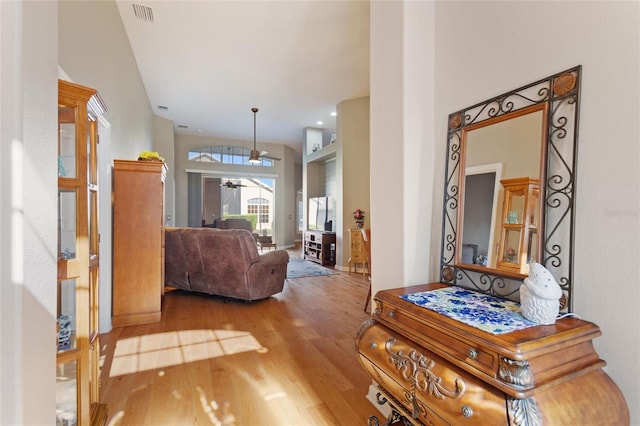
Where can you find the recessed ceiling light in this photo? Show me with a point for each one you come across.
(333, 114)
(319, 123)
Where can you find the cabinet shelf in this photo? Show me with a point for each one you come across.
(68, 269)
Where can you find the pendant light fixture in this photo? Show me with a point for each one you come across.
(254, 158)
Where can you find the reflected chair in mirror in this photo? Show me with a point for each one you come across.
(366, 239)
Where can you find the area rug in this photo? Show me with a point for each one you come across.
(299, 268)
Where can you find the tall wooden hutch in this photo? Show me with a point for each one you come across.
(138, 241)
(78, 349)
(519, 227)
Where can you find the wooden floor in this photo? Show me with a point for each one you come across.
(286, 360)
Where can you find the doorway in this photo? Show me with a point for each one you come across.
(482, 186)
(252, 198)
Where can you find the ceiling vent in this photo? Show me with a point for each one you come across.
(143, 13)
(182, 126)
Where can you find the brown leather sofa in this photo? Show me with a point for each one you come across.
(222, 262)
(234, 223)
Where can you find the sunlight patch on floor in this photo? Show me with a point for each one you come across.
(160, 350)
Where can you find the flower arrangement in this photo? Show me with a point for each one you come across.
(150, 156)
(358, 215)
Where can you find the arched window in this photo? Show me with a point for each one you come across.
(227, 155)
(260, 207)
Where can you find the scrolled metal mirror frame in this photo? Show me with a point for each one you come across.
(561, 92)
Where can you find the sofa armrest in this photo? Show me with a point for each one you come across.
(266, 276)
(274, 257)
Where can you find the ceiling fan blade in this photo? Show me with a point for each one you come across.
(231, 185)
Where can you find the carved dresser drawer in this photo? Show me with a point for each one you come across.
(432, 390)
(431, 337)
(435, 370)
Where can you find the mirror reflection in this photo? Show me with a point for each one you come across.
(502, 171)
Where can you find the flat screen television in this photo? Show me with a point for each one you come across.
(321, 214)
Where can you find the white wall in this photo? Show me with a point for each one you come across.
(418, 124)
(352, 171)
(95, 52)
(288, 219)
(486, 48)
(387, 142)
(163, 141)
(28, 165)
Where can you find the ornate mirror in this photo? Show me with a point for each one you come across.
(510, 188)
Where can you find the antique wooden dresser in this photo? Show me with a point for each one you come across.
(435, 370)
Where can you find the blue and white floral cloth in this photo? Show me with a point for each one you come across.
(487, 313)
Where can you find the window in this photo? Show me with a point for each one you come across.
(227, 155)
(259, 207)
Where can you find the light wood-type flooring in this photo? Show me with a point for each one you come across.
(286, 360)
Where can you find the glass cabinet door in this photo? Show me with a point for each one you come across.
(67, 315)
(511, 248)
(67, 229)
(67, 153)
(516, 211)
(67, 393)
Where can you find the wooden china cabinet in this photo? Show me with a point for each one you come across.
(519, 227)
(78, 349)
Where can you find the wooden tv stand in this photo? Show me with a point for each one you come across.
(317, 247)
(434, 370)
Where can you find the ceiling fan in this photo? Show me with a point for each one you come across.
(263, 154)
(231, 185)
(256, 156)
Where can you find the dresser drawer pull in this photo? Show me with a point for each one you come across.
(373, 345)
(467, 411)
(392, 314)
(471, 353)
